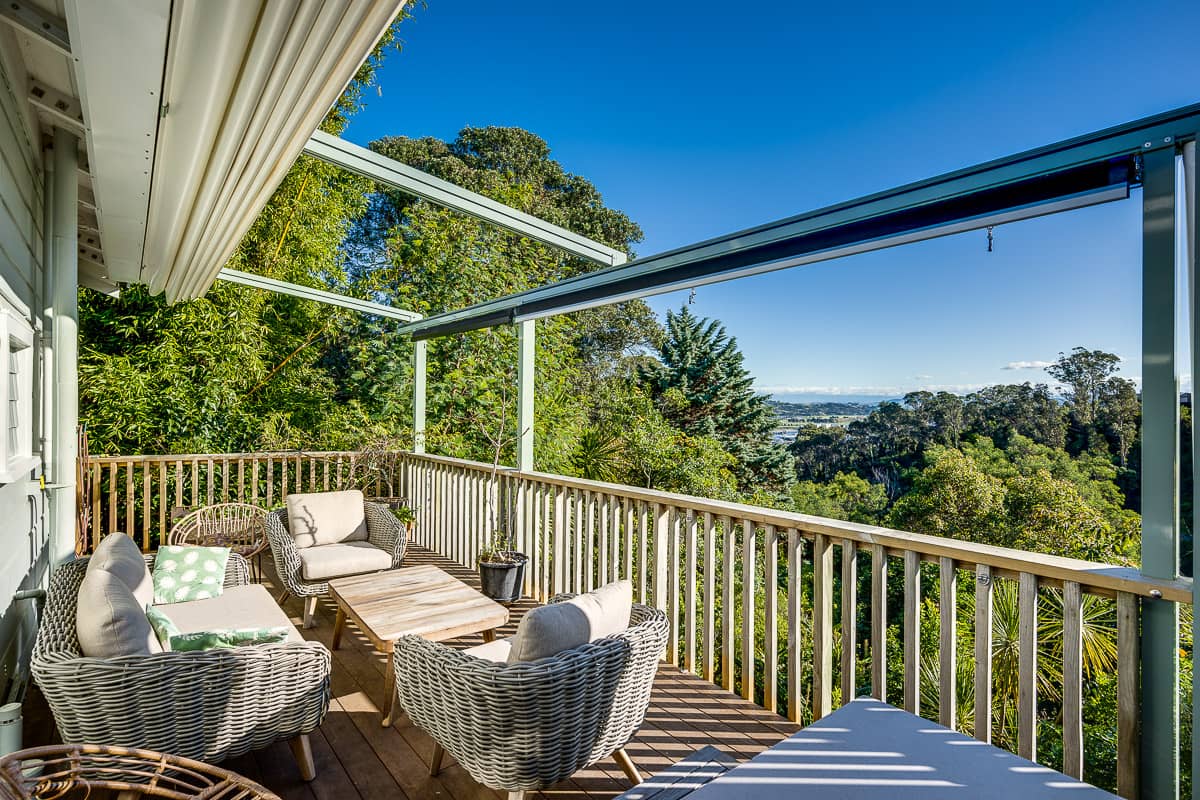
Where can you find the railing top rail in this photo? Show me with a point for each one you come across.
(1094, 576)
(139, 459)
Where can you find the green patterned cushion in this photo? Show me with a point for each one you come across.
(163, 627)
(189, 573)
(209, 640)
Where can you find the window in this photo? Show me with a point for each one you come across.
(16, 394)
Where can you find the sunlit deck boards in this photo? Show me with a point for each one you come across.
(355, 757)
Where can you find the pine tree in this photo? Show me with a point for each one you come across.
(702, 387)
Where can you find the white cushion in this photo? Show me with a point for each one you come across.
(326, 518)
(335, 560)
(240, 607)
(109, 620)
(550, 629)
(497, 651)
(120, 555)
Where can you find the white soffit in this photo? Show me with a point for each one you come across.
(118, 50)
(247, 82)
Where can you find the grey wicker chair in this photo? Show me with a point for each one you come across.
(207, 705)
(524, 726)
(383, 530)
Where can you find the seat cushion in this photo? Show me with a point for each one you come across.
(238, 607)
(120, 555)
(326, 518)
(497, 651)
(547, 630)
(349, 558)
(109, 620)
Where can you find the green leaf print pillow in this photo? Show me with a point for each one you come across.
(189, 573)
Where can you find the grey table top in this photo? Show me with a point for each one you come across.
(868, 750)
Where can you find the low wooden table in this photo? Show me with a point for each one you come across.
(423, 601)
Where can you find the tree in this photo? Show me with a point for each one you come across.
(999, 412)
(701, 385)
(1118, 415)
(1085, 372)
(847, 497)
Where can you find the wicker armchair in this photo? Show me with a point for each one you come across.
(208, 705)
(383, 531)
(239, 526)
(517, 727)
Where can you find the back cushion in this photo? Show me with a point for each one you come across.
(109, 620)
(326, 518)
(547, 630)
(118, 554)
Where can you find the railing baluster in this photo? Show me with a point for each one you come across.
(795, 556)
(879, 570)
(560, 540)
(689, 597)
(748, 578)
(145, 506)
(1072, 679)
(162, 501)
(1128, 695)
(771, 618)
(195, 496)
(225, 480)
(270, 481)
(710, 605)
(602, 546)
(112, 497)
(581, 551)
(1027, 602)
(208, 493)
(948, 644)
(673, 521)
(822, 626)
(614, 524)
(629, 508)
(728, 610)
(643, 562)
(983, 653)
(912, 632)
(662, 518)
(849, 620)
(130, 506)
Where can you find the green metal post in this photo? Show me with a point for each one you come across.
(1160, 479)
(526, 345)
(1191, 224)
(419, 356)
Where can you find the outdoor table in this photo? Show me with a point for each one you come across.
(869, 750)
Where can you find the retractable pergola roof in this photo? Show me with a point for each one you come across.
(1094, 168)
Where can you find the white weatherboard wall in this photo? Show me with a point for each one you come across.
(24, 552)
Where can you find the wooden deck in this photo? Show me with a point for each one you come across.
(356, 757)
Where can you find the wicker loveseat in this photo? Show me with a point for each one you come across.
(206, 705)
(524, 726)
(306, 567)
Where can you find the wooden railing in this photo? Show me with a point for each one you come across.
(138, 494)
(797, 613)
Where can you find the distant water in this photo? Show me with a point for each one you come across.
(866, 399)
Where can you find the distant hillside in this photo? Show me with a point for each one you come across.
(802, 411)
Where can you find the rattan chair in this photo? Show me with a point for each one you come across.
(239, 526)
(523, 726)
(70, 771)
(384, 531)
(208, 705)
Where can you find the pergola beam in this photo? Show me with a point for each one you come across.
(1089, 169)
(400, 176)
(317, 295)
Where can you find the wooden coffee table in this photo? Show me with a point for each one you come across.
(423, 601)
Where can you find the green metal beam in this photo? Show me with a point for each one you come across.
(1191, 221)
(392, 173)
(317, 295)
(1080, 171)
(420, 355)
(1160, 480)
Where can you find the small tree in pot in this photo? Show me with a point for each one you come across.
(501, 569)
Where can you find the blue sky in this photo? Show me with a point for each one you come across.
(701, 118)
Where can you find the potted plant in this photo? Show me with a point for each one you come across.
(501, 569)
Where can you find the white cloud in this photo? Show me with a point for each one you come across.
(922, 377)
(1027, 364)
(889, 391)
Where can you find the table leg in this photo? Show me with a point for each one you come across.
(339, 623)
(389, 688)
(489, 635)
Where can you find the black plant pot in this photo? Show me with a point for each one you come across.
(503, 581)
